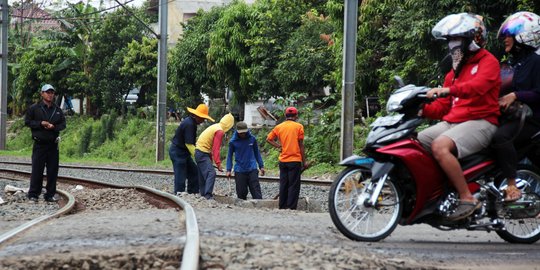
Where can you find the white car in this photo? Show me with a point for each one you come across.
(132, 96)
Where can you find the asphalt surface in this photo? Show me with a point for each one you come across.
(239, 238)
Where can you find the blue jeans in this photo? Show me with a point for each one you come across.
(207, 174)
(184, 167)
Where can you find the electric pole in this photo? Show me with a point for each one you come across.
(349, 73)
(3, 73)
(162, 81)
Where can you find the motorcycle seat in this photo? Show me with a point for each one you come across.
(476, 158)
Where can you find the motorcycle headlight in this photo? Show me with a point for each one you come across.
(394, 102)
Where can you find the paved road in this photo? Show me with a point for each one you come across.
(418, 244)
(474, 249)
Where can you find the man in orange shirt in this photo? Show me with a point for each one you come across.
(292, 157)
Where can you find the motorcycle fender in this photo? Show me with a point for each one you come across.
(379, 169)
(358, 161)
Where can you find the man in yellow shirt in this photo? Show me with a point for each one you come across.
(207, 152)
(292, 157)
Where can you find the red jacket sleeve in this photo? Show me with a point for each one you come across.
(441, 106)
(216, 146)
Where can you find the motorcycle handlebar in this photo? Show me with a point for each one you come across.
(434, 97)
(440, 96)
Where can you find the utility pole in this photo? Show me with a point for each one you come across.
(3, 73)
(162, 81)
(349, 73)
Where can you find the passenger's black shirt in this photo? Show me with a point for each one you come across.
(526, 81)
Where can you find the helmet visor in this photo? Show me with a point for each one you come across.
(511, 27)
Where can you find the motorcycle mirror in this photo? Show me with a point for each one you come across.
(446, 64)
(399, 81)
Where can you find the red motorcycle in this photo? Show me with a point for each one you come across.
(399, 182)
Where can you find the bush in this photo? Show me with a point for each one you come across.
(19, 137)
(86, 138)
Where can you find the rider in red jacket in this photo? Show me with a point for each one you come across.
(470, 110)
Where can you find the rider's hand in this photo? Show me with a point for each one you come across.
(506, 100)
(438, 92)
(262, 171)
(228, 174)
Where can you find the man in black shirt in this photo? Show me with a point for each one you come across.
(182, 150)
(46, 120)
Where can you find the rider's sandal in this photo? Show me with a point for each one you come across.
(512, 194)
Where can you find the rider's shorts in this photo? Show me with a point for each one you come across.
(469, 137)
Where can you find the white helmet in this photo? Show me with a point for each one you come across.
(464, 25)
(524, 27)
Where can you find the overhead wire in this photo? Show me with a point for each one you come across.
(73, 17)
(82, 16)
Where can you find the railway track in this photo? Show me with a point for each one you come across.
(163, 172)
(156, 198)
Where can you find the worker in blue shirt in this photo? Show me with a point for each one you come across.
(248, 162)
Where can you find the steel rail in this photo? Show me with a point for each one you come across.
(62, 211)
(190, 256)
(310, 181)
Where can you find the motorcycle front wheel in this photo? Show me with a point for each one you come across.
(524, 230)
(352, 217)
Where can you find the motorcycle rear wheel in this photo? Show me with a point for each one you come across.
(524, 230)
(355, 220)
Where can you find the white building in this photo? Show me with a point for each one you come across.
(182, 10)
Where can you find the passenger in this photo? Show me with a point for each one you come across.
(521, 35)
(45, 120)
(469, 113)
(207, 152)
(244, 147)
(182, 150)
(292, 157)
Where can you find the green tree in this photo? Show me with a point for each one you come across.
(307, 60)
(140, 67)
(273, 22)
(61, 52)
(109, 45)
(79, 21)
(188, 66)
(228, 55)
(394, 38)
(37, 66)
(247, 43)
